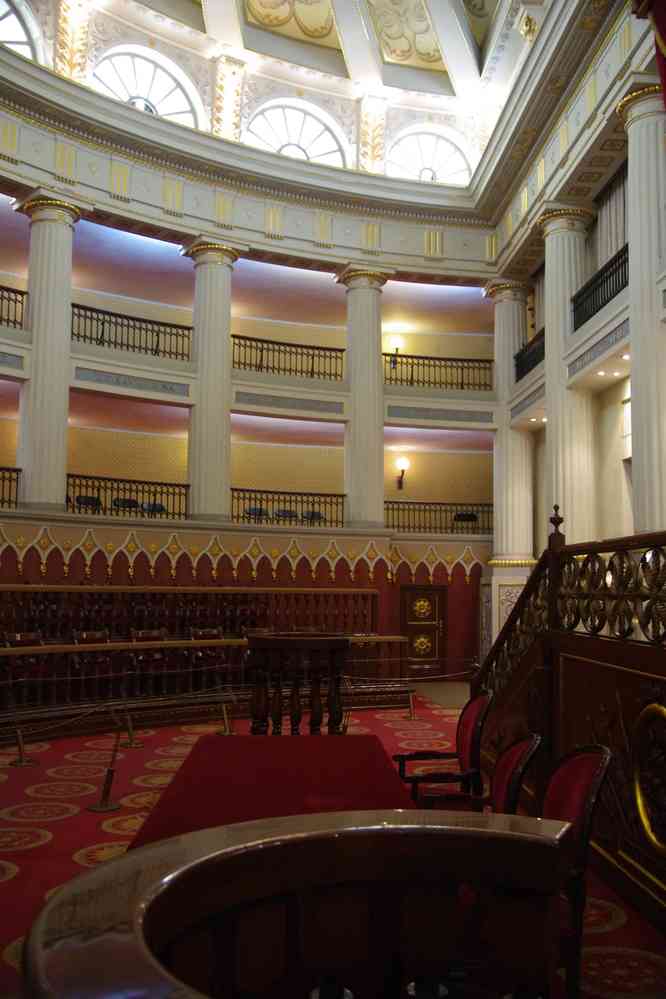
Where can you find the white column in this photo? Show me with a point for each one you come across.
(570, 479)
(44, 400)
(209, 446)
(646, 124)
(364, 432)
(512, 459)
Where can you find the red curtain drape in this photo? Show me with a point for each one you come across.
(656, 11)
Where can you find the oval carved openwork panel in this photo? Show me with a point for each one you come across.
(649, 751)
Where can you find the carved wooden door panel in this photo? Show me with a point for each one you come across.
(423, 614)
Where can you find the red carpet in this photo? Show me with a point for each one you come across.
(47, 837)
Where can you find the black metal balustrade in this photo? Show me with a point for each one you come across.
(602, 288)
(470, 373)
(12, 307)
(278, 358)
(9, 484)
(530, 355)
(267, 506)
(405, 516)
(140, 336)
(111, 497)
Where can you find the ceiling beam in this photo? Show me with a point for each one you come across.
(457, 44)
(224, 22)
(359, 46)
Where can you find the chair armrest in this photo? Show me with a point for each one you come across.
(431, 754)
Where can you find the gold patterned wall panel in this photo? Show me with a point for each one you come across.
(152, 457)
(304, 20)
(406, 36)
(8, 433)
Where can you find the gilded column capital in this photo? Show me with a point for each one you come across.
(564, 217)
(358, 276)
(210, 251)
(42, 206)
(506, 290)
(648, 93)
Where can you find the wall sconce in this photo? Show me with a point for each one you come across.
(396, 343)
(402, 464)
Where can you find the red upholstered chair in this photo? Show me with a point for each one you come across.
(572, 794)
(505, 783)
(468, 754)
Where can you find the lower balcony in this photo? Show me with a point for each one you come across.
(110, 497)
(408, 517)
(284, 509)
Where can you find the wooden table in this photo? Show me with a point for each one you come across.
(257, 777)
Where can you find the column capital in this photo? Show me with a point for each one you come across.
(42, 205)
(506, 290)
(210, 251)
(645, 100)
(564, 217)
(359, 276)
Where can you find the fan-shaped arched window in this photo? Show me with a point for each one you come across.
(149, 82)
(15, 30)
(429, 156)
(297, 129)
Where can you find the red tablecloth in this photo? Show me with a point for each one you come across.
(244, 777)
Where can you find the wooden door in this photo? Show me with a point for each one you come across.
(422, 615)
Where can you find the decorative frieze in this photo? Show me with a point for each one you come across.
(135, 382)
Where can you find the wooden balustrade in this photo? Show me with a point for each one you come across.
(470, 374)
(602, 288)
(276, 357)
(9, 487)
(410, 516)
(132, 333)
(529, 356)
(12, 307)
(269, 506)
(112, 497)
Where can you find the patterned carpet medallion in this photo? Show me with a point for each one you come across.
(47, 836)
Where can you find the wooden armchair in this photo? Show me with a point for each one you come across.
(572, 794)
(467, 754)
(150, 666)
(94, 668)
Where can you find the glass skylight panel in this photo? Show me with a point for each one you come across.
(142, 82)
(428, 157)
(294, 131)
(13, 33)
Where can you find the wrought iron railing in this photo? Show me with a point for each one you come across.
(530, 355)
(9, 485)
(111, 497)
(12, 307)
(278, 358)
(267, 506)
(438, 518)
(140, 336)
(602, 288)
(471, 373)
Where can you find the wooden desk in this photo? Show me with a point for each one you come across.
(256, 777)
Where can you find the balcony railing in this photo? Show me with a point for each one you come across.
(12, 307)
(530, 355)
(140, 336)
(9, 484)
(602, 288)
(267, 506)
(111, 497)
(278, 358)
(438, 518)
(470, 373)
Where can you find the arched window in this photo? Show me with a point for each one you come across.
(428, 155)
(297, 129)
(149, 82)
(18, 29)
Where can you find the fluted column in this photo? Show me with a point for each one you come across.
(44, 400)
(364, 431)
(570, 479)
(512, 461)
(646, 123)
(209, 447)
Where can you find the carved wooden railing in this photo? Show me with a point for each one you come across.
(9, 487)
(121, 332)
(12, 307)
(283, 508)
(279, 358)
(462, 373)
(411, 516)
(113, 497)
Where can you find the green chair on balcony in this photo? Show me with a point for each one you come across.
(88, 504)
(124, 504)
(312, 517)
(153, 509)
(285, 514)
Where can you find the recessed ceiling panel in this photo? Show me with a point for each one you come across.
(406, 36)
(480, 14)
(303, 20)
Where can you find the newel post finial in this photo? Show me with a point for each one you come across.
(557, 540)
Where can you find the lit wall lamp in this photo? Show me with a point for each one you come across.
(402, 464)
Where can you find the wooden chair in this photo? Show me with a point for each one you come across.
(150, 665)
(95, 668)
(572, 794)
(22, 672)
(468, 754)
(505, 784)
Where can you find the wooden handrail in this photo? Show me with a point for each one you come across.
(185, 643)
(433, 357)
(288, 343)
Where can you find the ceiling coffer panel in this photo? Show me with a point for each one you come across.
(480, 15)
(303, 20)
(406, 36)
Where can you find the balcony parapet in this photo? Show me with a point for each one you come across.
(103, 495)
(447, 373)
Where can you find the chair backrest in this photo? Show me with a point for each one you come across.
(15, 639)
(91, 637)
(469, 730)
(508, 774)
(572, 794)
(148, 635)
(202, 634)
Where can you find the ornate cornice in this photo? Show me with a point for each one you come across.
(570, 214)
(653, 90)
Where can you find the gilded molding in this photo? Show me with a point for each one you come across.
(355, 273)
(493, 289)
(511, 563)
(653, 90)
(572, 214)
(42, 201)
(195, 250)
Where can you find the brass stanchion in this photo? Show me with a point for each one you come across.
(227, 728)
(105, 804)
(130, 742)
(22, 760)
(412, 712)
